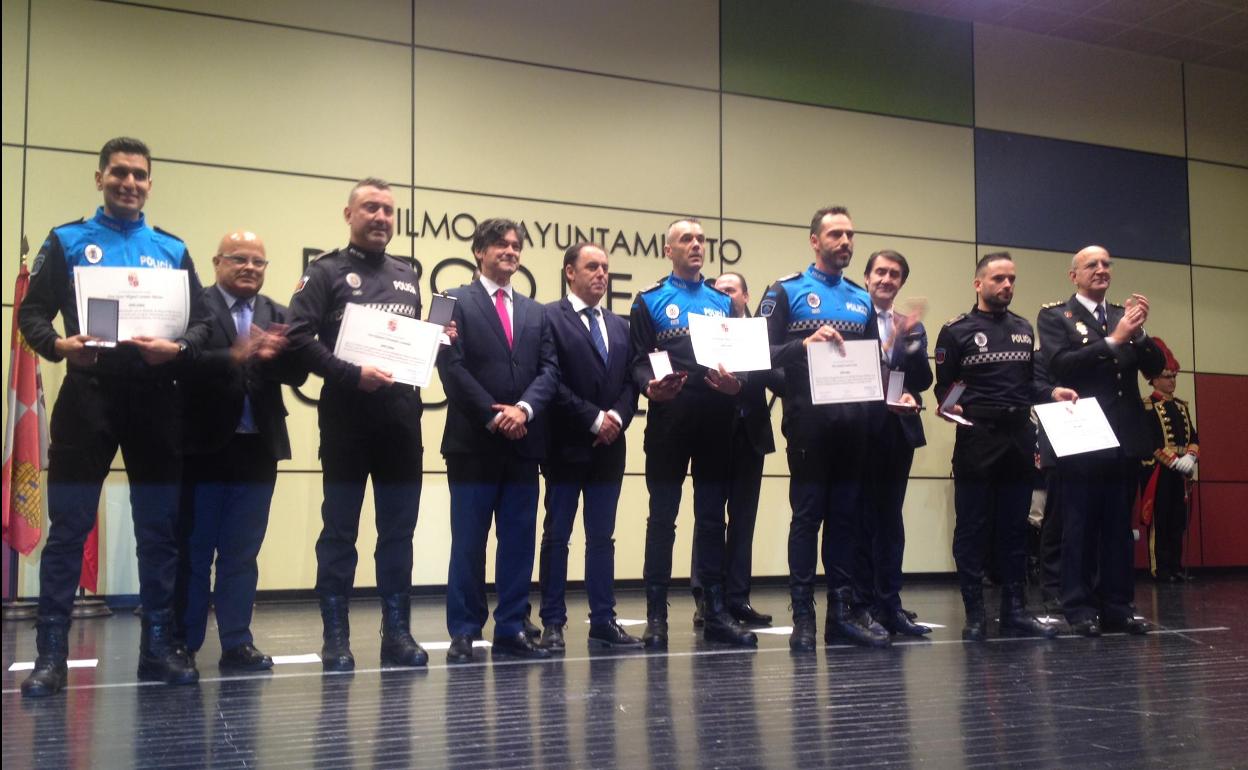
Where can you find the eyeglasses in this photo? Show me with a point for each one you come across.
(237, 260)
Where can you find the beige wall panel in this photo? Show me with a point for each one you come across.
(383, 19)
(783, 161)
(1220, 317)
(11, 221)
(513, 129)
(297, 109)
(14, 65)
(648, 39)
(1217, 114)
(929, 518)
(1219, 198)
(1035, 84)
(934, 461)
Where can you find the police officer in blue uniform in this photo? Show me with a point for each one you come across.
(124, 397)
(689, 421)
(989, 349)
(370, 426)
(826, 442)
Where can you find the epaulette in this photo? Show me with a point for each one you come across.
(955, 319)
(1148, 403)
(850, 282)
(171, 235)
(1178, 400)
(653, 286)
(77, 221)
(1048, 305)
(1115, 304)
(409, 261)
(788, 277)
(710, 284)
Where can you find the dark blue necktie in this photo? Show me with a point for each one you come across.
(595, 334)
(1100, 317)
(242, 326)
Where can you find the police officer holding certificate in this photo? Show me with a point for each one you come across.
(989, 350)
(370, 426)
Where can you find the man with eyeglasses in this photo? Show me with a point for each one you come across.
(234, 436)
(1099, 348)
(123, 397)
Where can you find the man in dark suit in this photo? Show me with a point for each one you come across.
(1098, 348)
(752, 440)
(499, 377)
(234, 434)
(898, 433)
(593, 407)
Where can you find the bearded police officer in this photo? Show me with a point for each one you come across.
(370, 426)
(826, 442)
(989, 350)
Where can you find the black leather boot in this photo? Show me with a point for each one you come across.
(161, 657)
(803, 637)
(976, 629)
(718, 625)
(336, 650)
(655, 637)
(398, 648)
(51, 667)
(1015, 619)
(844, 624)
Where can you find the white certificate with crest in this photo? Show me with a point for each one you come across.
(841, 374)
(1075, 427)
(151, 301)
(405, 347)
(740, 344)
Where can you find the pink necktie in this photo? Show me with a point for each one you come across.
(500, 304)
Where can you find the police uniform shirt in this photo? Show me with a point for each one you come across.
(660, 320)
(346, 276)
(992, 354)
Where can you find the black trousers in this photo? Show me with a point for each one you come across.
(993, 475)
(225, 512)
(694, 431)
(93, 417)
(884, 534)
(1170, 511)
(1096, 491)
(744, 485)
(362, 435)
(1051, 539)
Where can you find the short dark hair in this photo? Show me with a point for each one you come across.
(574, 252)
(745, 288)
(817, 219)
(494, 230)
(991, 257)
(691, 220)
(892, 256)
(368, 181)
(124, 144)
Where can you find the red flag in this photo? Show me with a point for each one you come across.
(25, 437)
(90, 579)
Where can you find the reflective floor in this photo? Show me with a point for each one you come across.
(1178, 698)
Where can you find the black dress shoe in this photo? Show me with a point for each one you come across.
(1133, 626)
(745, 614)
(519, 646)
(245, 657)
(612, 635)
(1089, 628)
(910, 613)
(530, 628)
(901, 623)
(698, 617)
(552, 639)
(460, 650)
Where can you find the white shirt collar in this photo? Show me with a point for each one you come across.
(578, 304)
(492, 288)
(231, 300)
(1090, 304)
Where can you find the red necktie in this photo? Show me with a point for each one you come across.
(500, 304)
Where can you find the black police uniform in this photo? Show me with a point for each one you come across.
(694, 428)
(120, 401)
(994, 459)
(362, 434)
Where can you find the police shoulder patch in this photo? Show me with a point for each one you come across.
(767, 307)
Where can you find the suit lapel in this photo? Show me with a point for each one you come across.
(486, 304)
(519, 312)
(1081, 314)
(262, 315)
(216, 301)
